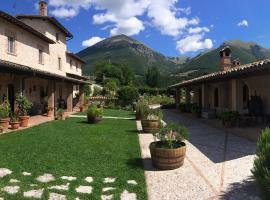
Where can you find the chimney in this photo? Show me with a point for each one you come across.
(226, 58)
(43, 8)
(236, 62)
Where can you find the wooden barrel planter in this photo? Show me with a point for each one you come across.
(167, 159)
(94, 120)
(150, 126)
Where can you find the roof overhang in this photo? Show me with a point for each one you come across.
(75, 57)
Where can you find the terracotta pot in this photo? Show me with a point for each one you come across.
(50, 113)
(15, 125)
(4, 123)
(24, 120)
(167, 159)
(150, 126)
(94, 120)
(81, 109)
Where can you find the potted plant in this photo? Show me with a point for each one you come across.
(229, 118)
(1, 129)
(94, 114)
(151, 120)
(169, 151)
(182, 107)
(61, 114)
(23, 108)
(14, 122)
(50, 110)
(140, 107)
(81, 108)
(196, 110)
(4, 115)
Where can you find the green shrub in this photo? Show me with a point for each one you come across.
(86, 90)
(141, 107)
(159, 99)
(97, 91)
(195, 109)
(127, 95)
(23, 104)
(228, 116)
(152, 114)
(261, 169)
(94, 111)
(4, 110)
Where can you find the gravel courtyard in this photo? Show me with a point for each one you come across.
(217, 166)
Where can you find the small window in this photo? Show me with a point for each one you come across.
(57, 37)
(59, 63)
(70, 63)
(40, 57)
(76, 66)
(11, 44)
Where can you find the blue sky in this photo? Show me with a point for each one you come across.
(174, 28)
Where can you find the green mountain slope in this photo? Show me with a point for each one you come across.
(123, 49)
(209, 61)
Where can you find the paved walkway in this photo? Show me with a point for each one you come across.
(217, 166)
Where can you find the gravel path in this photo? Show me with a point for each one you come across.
(217, 165)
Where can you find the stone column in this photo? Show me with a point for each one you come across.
(235, 95)
(205, 96)
(177, 97)
(188, 97)
(69, 97)
(81, 95)
(51, 94)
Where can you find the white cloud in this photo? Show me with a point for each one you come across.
(197, 30)
(92, 41)
(243, 23)
(131, 26)
(193, 43)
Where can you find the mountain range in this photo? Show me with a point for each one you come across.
(124, 49)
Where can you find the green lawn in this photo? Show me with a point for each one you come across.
(115, 113)
(75, 148)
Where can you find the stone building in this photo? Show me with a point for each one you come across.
(34, 60)
(236, 87)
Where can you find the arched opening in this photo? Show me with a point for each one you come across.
(216, 103)
(245, 97)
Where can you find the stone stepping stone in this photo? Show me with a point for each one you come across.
(69, 178)
(109, 180)
(26, 174)
(4, 172)
(37, 194)
(128, 196)
(106, 197)
(89, 179)
(132, 182)
(45, 178)
(1, 198)
(84, 189)
(107, 189)
(33, 185)
(14, 181)
(60, 187)
(55, 196)
(11, 189)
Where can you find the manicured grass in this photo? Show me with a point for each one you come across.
(75, 148)
(115, 113)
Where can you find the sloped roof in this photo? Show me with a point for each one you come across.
(75, 57)
(235, 71)
(50, 19)
(24, 26)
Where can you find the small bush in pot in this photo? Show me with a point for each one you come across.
(94, 114)
(23, 108)
(261, 168)
(14, 122)
(151, 120)
(169, 151)
(61, 114)
(196, 110)
(140, 108)
(4, 115)
(229, 118)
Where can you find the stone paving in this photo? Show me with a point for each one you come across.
(217, 165)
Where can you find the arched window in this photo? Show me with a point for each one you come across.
(216, 103)
(245, 97)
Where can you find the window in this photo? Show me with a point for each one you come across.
(57, 37)
(216, 98)
(70, 63)
(11, 44)
(40, 57)
(76, 66)
(59, 64)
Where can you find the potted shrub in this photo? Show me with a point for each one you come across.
(169, 151)
(141, 106)
(50, 110)
(94, 114)
(1, 129)
(4, 115)
(14, 122)
(23, 108)
(151, 120)
(61, 114)
(196, 111)
(229, 118)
